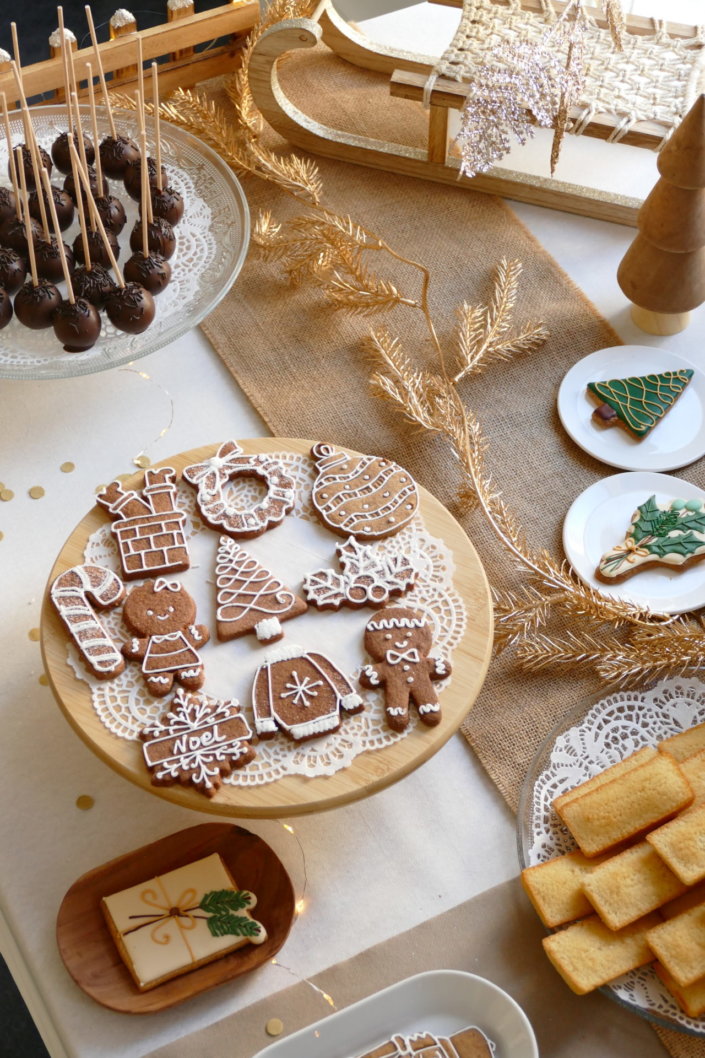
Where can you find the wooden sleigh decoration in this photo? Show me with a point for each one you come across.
(407, 76)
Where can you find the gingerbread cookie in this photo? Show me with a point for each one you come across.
(161, 613)
(301, 693)
(399, 639)
(249, 598)
(72, 593)
(639, 402)
(670, 534)
(365, 496)
(200, 740)
(467, 1043)
(369, 577)
(218, 510)
(149, 528)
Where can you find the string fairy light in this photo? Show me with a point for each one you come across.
(142, 460)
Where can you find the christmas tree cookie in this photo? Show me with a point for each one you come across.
(670, 534)
(249, 598)
(637, 403)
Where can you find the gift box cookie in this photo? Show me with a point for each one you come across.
(174, 922)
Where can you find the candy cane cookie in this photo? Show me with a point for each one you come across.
(70, 594)
(211, 477)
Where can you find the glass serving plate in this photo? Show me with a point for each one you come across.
(598, 732)
(212, 240)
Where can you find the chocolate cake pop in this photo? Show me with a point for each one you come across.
(160, 237)
(112, 213)
(77, 325)
(44, 159)
(5, 308)
(116, 153)
(60, 150)
(133, 176)
(13, 270)
(167, 204)
(152, 272)
(48, 257)
(94, 284)
(8, 204)
(96, 248)
(35, 305)
(96, 190)
(130, 308)
(13, 233)
(62, 201)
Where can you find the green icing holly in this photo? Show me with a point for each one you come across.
(221, 905)
(676, 530)
(641, 401)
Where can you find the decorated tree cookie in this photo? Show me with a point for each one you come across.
(199, 741)
(670, 534)
(249, 598)
(368, 578)
(638, 403)
(400, 640)
(216, 505)
(161, 614)
(149, 528)
(365, 496)
(301, 693)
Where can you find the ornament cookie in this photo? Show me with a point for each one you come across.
(366, 496)
(301, 693)
(161, 614)
(369, 577)
(399, 640)
(669, 534)
(218, 510)
(72, 593)
(200, 740)
(639, 402)
(149, 528)
(249, 598)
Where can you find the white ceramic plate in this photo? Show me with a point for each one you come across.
(599, 518)
(679, 439)
(440, 1001)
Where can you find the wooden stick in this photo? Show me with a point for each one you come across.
(59, 240)
(31, 145)
(70, 62)
(94, 125)
(11, 156)
(79, 130)
(65, 63)
(81, 212)
(98, 222)
(157, 129)
(144, 188)
(101, 73)
(28, 220)
(144, 167)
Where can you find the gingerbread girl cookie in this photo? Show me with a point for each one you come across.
(399, 639)
(161, 613)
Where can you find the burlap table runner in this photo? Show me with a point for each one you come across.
(496, 935)
(303, 369)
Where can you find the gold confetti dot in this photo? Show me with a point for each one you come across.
(100, 488)
(6, 495)
(1, 535)
(84, 802)
(66, 468)
(44, 680)
(34, 635)
(274, 1027)
(36, 492)
(123, 477)
(142, 461)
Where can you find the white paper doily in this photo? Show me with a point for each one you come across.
(298, 546)
(591, 738)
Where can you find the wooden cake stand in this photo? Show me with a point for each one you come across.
(294, 794)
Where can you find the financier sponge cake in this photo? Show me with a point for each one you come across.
(625, 887)
(681, 844)
(555, 888)
(613, 772)
(679, 945)
(625, 807)
(588, 954)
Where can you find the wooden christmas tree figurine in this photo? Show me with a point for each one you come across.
(663, 271)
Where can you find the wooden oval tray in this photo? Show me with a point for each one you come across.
(91, 956)
(294, 794)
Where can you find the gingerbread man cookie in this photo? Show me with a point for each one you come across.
(161, 613)
(399, 639)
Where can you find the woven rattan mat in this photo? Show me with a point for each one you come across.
(303, 369)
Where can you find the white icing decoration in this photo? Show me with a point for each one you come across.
(350, 701)
(300, 690)
(378, 625)
(430, 707)
(396, 710)
(160, 660)
(245, 589)
(409, 679)
(393, 657)
(70, 593)
(285, 652)
(268, 628)
(371, 674)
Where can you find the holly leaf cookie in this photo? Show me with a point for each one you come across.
(369, 577)
(639, 402)
(672, 534)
